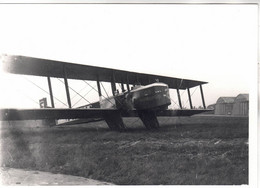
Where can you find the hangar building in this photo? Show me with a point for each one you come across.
(224, 106)
(241, 105)
(235, 106)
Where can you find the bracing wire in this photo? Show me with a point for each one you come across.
(107, 95)
(90, 85)
(36, 85)
(167, 119)
(174, 102)
(81, 98)
(181, 96)
(75, 91)
(43, 90)
(191, 95)
(36, 102)
(182, 92)
(79, 92)
(104, 90)
(184, 106)
(101, 94)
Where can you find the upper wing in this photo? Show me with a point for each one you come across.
(51, 68)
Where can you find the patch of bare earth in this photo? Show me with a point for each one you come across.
(11, 176)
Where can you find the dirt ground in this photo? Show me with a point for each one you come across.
(199, 150)
(11, 176)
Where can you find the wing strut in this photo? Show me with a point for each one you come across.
(179, 98)
(122, 86)
(98, 86)
(202, 97)
(190, 98)
(67, 86)
(113, 84)
(127, 83)
(50, 90)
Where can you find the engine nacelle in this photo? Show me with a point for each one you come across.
(153, 96)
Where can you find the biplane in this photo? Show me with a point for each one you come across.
(147, 98)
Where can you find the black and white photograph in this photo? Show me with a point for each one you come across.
(129, 93)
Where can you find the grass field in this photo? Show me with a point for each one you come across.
(189, 150)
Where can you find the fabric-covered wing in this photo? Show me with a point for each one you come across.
(53, 113)
(182, 112)
(169, 112)
(51, 68)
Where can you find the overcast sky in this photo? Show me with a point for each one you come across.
(213, 43)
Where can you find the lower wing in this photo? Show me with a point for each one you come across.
(54, 113)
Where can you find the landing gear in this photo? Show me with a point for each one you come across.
(114, 121)
(149, 119)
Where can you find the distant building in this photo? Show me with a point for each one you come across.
(235, 106)
(211, 107)
(224, 105)
(241, 105)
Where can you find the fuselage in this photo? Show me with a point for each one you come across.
(150, 97)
